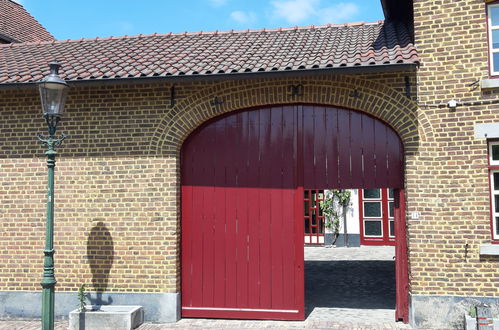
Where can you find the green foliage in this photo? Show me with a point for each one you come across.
(334, 201)
(81, 298)
(472, 311)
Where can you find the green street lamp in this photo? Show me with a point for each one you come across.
(53, 91)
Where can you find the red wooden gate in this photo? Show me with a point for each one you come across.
(241, 255)
(243, 181)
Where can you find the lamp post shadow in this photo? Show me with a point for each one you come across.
(100, 255)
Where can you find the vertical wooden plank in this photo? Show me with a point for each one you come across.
(254, 217)
(187, 208)
(345, 178)
(356, 149)
(242, 211)
(208, 218)
(197, 222)
(381, 154)
(276, 203)
(288, 207)
(299, 292)
(394, 156)
(265, 146)
(331, 141)
(401, 173)
(368, 152)
(308, 146)
(220, 215)
(401, 259)
(320, 147)
(230, 204)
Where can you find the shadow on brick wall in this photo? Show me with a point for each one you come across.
(100, 254)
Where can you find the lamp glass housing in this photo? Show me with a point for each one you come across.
(53, 97)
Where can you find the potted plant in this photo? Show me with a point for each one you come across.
(105, 317)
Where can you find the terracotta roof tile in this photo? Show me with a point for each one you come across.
(17, 25)
(220, 52)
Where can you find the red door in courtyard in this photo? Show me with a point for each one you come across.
(243, 181)
(377, 216)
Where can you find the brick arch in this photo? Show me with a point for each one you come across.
(425, 127)
(380, 101)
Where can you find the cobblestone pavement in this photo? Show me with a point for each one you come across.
(350, 285)
(321, 253)
(345, 288)
(224, 324)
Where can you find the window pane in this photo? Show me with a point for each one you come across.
(392, 228)
(495, 39)
(496, 181)
(372, 228)
(372, 193)
(372, 209)
(495, 152)
(497, 225)
(390, 193)
(494, 15)
(391, 206)
(495, 56)
(497, 203)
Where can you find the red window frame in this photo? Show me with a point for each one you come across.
(492, 168)
(488, 19)
(312, 199)
(385, 238)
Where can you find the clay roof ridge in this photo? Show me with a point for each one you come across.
(16, 3)
(122, 57)
(216, 32)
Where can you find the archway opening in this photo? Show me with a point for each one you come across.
(244, 178)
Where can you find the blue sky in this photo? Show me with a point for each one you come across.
(73, 19)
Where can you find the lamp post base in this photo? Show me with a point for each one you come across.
(48, 304)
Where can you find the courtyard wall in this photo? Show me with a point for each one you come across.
(117, 218)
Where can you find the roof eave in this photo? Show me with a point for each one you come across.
(382, 68)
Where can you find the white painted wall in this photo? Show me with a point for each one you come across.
(352, 214)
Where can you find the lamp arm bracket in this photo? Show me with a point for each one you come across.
(52, 142)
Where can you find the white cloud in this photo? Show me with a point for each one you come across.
(295, 11)
(298, 11)
(243, 17)
(339, 13)
(218, 3)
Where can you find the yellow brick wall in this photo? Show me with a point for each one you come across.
(104, 174)
(117, 220)
(448, 182)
